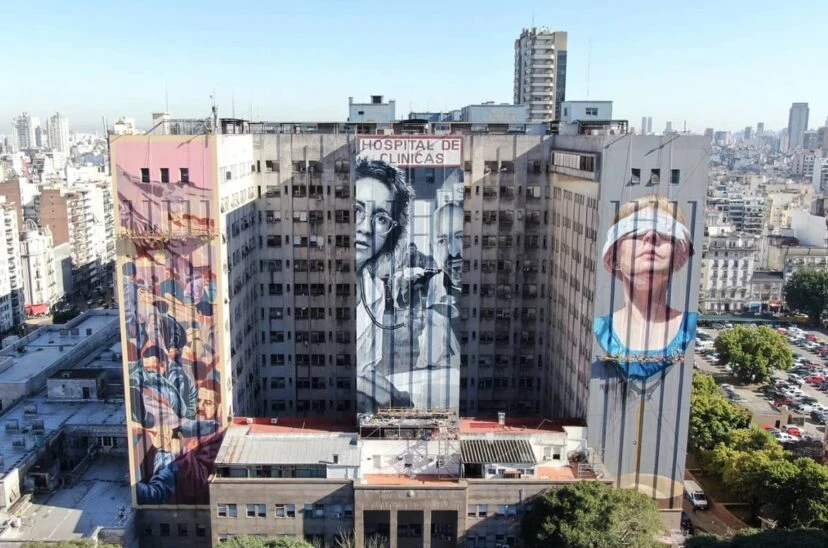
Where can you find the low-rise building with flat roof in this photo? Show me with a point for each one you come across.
(413, 478)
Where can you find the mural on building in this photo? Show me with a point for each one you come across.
(409, 260)
(168, 257)
(645, 322)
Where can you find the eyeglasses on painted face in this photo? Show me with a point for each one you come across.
(381, 222)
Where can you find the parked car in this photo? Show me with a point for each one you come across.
(695, 494)
(733, 396)
(819, 417)
(796, 379)
(792, 429)
(718, 326)
(782, 437)
(804, 408)
(815, 379)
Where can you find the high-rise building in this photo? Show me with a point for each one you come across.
(709, 132)
(58, 133)
(40, 280)
(11, 280)
(78, 215)
(278, 269)
(124, 126)
(748, 133)
(540, 72)
(668, 128)
(643, 129)
(24, 131)
(760, 129)
(810, 140)
(649, 125)
(797, 125)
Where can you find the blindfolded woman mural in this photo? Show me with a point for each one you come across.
(644, 248)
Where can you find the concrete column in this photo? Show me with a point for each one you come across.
(359, 528)
(393, 529)
(426, 528)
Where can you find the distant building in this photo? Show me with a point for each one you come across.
(23, 131)
(797, 124)
(124, 126)
(11, 281)
(668, 128)
(760, 129)
(649, 125)
(584, 111)
(540, 72)
(766, 290)
(37, 259)
(728, 262)
(810, 140)
(748, 133)
(709, 132)
(58, 126)
(491, 113)
(643, 129)
(375, 111)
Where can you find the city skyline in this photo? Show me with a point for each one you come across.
(270, 66)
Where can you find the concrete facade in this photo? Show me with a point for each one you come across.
(11, 275)
(540, 72)
(37, 256)
(728, 263)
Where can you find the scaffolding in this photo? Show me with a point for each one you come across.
(158, 238)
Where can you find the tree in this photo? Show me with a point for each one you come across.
(800, 497)
(256, 542)
(64, 316)
(807, 292)
(712, 417)
(770, 538)
(591, 514)
(753, 352)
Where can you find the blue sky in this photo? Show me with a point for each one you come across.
(714, 64)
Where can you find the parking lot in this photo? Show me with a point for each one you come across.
(808, 399)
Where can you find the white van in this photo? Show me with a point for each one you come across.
(695, 494)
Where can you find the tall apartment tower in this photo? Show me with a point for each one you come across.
(540, 72)
(797, 125)
(643, 129)
(760, 129)
(24, 133)
(11, 279)
(58, 128)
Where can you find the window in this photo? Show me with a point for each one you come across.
(277, 382)
(635, 177)
(655, 176)
(343, 241)
(228, 175)
(165, 529)
(592, 111)
(256, 511)
(165, 175)
(184, 174)
(145, 178)
(201, 530)
(482, 510)
(226, 510)
(285, 511)
(277, 359)
(182, 529)
(675, 176)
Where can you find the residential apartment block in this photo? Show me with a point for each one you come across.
(40, 277)
(236, 262)
(11, 276)
(540, 72)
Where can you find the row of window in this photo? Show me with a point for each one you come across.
(655, 176)
(482, 510)
(341, 360)
(314, 265)
(164, 175)
(164, 530)
(317, 511)
(305, 383)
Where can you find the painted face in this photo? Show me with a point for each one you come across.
(372, 210)
(448, 243)
(647, 254)
(206, 404)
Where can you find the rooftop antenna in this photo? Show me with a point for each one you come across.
(589, 64)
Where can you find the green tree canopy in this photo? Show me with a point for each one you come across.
(712, 417)
(591, 515)
(771, 538)
(807, 292)
(754, 352)
(65, 315)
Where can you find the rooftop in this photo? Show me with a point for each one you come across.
(517, 425)
(82, 373)
(101, 498)
(247, 445)
(40, 351)
(35, 411)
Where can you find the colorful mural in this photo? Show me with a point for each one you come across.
(409, 260)
(168, 257)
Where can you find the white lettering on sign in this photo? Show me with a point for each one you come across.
(413, 151)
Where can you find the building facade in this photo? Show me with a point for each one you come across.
(239, 258)
(24, 132)
(727, 267)
(540, 72)
(58, 127)
(11, 276)
(797, 125)
(40, 279)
